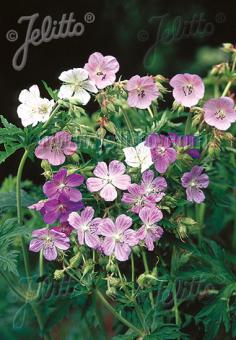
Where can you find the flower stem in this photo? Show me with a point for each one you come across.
(23, 245)
(129, 126)
(19, 210)
(150, 112)
(147, 272)
(230, 82)
(53, 113)
(132, 273)
(116, 314)
(188, 125)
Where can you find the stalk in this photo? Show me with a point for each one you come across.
(117, 315)
(147, 272)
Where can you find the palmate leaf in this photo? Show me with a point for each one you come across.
(8, 200)
(9, 150)
(8, 257)
(216, 312)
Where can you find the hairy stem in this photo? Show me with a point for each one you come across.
(117, 315)
(145, 263)
(129, 126)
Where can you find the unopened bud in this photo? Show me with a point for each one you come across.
(111, 291)
(58, 274)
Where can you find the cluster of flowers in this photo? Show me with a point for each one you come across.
(100, 72)
(64, 199)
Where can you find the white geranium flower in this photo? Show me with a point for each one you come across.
(139, 156)
(33, 109)
(76, 85)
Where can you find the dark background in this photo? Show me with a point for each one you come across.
(124, 29)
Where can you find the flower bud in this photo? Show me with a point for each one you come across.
(74, 261)
(136, 249)
(75, 157)
(58, 274)
(111, 291)
(111, 267)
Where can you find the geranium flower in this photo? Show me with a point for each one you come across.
(86, 226)
(142, 91)
(108, 179)
(153, 187)
(138, 156)
(102, 70)
(219, 112)
(54, 149)
(48, 241)
(76, 85)
(136, 198)
(150, 231)
(59, 209)
(33, 109)
(119, 238)
(39, 206)
(61, 183)
(64, 228)
(185, 141)
(162, 152)
(188, 89)
(194, 181)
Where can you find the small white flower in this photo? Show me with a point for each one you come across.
(76, 85)
(33, 109)
(139, 156)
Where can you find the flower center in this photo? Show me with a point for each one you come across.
(161, 150)
(193, 183)
(48, 241)
(188, 89)
(140, 92)
(85, 227)
(220, 114)
(117, 237)
(101, 74)
(43, 109)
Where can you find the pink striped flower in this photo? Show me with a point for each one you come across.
(54, 149)
(102, 70)
(219, 112)
(119, 238)
(142, 91)
(188, 89)
(49, 241)
(86, 226)
(107, 179)
(150, 231)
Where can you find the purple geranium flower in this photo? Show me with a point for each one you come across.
(162, 152)
(193, 181)
(119, 238)
(219, 112)
(135, 198)
(86, 227)
(188, 89)
(108, 179)
(142, 91)
(60, 208)
(102, 70)
(61, 183)
(54, 149)
(187, 141)
(39, 206)
(48, 241)
(153, 187)
(150, 232)
(64, 228)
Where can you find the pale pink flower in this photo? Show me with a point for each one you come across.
(150, 231)
(142, 91)
(54, 149)
(102, 70)
(86, 226)
(119, 238)
(108, 179)
(219, 112)
(188, 89)
(48, 240)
